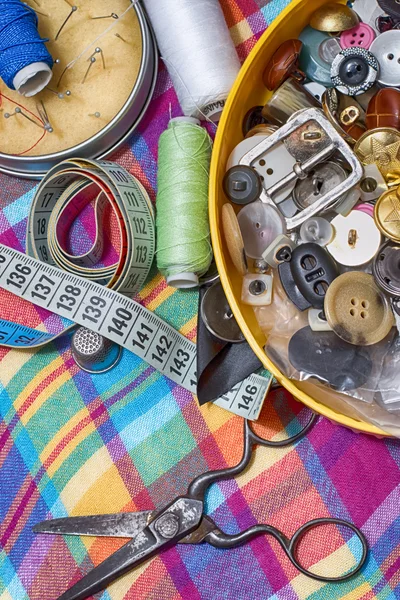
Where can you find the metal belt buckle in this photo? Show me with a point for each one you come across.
(324, 141)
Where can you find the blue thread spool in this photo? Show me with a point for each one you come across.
(25, 62)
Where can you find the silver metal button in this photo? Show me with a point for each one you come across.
(322, 179)
(94, 353)
(218, 317)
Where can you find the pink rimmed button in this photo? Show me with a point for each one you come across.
(366, 208)
(360, 36)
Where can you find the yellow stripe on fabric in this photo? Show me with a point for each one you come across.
(305, 586)
(264, 460)
(108, 494)
(162, 297)
(87, 476)
(12, 363)
(241, 32)
(121, 587)
(5, 596)
(67, 450)
(45, 394)
(214, 416)
(189, 326)
(62, 434)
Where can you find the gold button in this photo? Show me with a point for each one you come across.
(387, 214)
(357, 310)
(334, 17)
(233, 238)
(380, 146)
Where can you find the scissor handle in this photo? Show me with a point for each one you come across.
(199, 485)
(219, 539)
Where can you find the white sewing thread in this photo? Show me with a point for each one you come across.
(198, 51)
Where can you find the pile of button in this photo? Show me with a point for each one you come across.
(316, 183)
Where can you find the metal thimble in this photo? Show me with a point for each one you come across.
(94, 353)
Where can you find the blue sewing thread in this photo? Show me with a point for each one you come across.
(20, 42)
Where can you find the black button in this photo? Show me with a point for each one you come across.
(386, 269)
(353, 70)
(307, 276)
(242, 184)
(323, 355)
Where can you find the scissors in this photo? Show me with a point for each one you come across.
(183, 521)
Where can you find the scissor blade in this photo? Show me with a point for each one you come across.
(167, 528)
(124, 525)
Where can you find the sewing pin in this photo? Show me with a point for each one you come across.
(73, 9)
(44, 116)
(120, 37)
(59, 94)
(18, 111)
(92, 61)
(96, 114)
(99, 51)
(112, 16)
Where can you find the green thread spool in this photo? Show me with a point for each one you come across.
(184, 249)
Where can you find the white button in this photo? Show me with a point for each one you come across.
(357, 239)
(257, 290)
(318, 230)
(272, 166)
(316, 322)
(316, 89)
(386, 48)
(260, 224)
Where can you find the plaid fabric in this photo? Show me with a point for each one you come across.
(73, 444)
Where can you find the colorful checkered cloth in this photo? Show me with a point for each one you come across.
(75, 444)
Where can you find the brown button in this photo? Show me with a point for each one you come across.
(384, 109)
(357, 310)
(387, 214)
(282, 64)
(233, 238)
(333, 17)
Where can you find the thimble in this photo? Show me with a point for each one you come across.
(94, 353)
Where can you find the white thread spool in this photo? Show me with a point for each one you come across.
(198, 52)
(32, 79)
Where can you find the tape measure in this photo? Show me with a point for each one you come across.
(70, 287)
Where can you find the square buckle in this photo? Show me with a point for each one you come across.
(330, 142)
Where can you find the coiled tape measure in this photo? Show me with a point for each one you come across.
(72, 288)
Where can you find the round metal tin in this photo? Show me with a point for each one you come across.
(115, 133)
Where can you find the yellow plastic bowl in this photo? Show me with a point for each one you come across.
(247, 92)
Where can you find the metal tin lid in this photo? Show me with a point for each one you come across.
(386, 48)
(357, 310)
(218, 317)
(387, 214)
(94, 353)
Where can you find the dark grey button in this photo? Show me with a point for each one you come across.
(218, 317)
(94, 353)
(242, 184)
(386, 269)
(353, 70)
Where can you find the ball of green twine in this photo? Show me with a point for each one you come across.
(184, 249)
